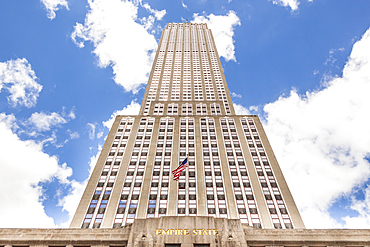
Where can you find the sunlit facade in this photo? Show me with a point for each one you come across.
(187, 111)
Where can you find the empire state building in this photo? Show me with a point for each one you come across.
(187, 112)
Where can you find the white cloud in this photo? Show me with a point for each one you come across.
(241, 110)
(157, 13)
(184, 5)
(331, 59)
(21, 176)
(9, 121)
(74, 135)
(100, 134)
(20, 80)
(293, 4)
(119, 40)
(43, 121)
(253, 108)
(363, 209)
(53, 5)
(222, 27)
(321, 140)
(235, 95)
(70, 202)
(131, 109)
(91, 129)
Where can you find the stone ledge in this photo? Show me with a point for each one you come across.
(157, 231)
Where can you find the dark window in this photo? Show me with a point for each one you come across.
(268, 197)
(132, 210)
(253, 210)
(223, 211)
(288, 225)
(257, 225)
(154, 184)
(273, 211)
(238, 197)
(192, 210)
(278, 197)
(210, 197)
(85, 225)
(121, 210)
(236, 184)
(166, 173)
(181, 210)
(151, 210)
(221, 197)
(277, 226)
(283, 211)
(250, 197)
(242, 211)
(211, 211)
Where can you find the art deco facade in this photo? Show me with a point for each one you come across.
(187, 112)
(233, 192)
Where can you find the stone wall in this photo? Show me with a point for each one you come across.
(186, 231)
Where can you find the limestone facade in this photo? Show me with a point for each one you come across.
(184, 231)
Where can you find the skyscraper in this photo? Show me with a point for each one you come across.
(232, 187)
(187, 112)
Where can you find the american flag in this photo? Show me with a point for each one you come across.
(177, 172)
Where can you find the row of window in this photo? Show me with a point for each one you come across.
(187, 109)
(246, 205)
(126, 211)
(277, 209)
(206, 68)
(187, 201)
(216, 201)
(99, 201)
(216, 71)
(186, 25)
(197, 76)
(158, 195)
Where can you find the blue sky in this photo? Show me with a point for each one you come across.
(67, 67)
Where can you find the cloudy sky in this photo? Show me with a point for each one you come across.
(67, 67)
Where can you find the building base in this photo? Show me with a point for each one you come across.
(185, 231)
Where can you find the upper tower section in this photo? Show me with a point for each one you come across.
(187, 73)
